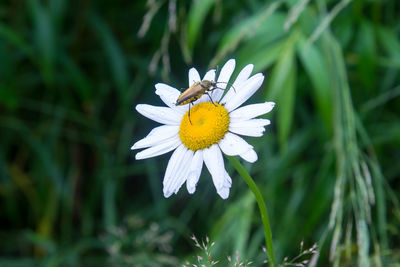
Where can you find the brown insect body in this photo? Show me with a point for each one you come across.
(194, 92)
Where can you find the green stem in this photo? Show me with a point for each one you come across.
(261, 205)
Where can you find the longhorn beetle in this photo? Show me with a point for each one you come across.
(195, 91)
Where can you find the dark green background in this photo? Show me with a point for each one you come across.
(71, 73)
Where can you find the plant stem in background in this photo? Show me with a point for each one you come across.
(261, 205)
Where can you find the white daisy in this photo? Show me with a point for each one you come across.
(212, 128)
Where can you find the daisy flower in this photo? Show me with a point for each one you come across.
(214, 127)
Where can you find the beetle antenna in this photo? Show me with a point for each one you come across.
(228, 84)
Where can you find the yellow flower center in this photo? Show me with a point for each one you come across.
(208, 124)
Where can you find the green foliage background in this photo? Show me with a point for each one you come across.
(71, 73)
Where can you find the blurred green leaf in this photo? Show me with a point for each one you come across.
(390, 42)
(13, 262)
(197, 15)
(8, 96)
(263, 57)
(281, 89)
(42, 152)
(248, 28)
(57, 8)
(45, 40)
(14, 38)
(366, 51)
(327, 19)
(315, 66)
(109, 205)
(78, 78)
(294, 12)
(264, 46)
(114, 54)
(226, 229)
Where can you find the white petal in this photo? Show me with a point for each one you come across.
(177, 170)
(157, 136)
(233, 145)
(253, 123)
(226, 73)
(169, 95)
(162, 115)
(249, 156)
(159, 149)
(194, 76)
(194, 171)
(174, 164)
(248, 90)
(253, 127)
(254, 132)
(181, 177)
(224, 191)
(210, 75)
(237, 85)
(223, 78)
(215, 164)
(251, 111)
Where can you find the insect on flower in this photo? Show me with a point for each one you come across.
(195, 91)
(216, 127)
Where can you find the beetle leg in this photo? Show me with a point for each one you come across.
(210, 98)
(215, 88)
(189, 113)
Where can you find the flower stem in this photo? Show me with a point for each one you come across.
(261, 205)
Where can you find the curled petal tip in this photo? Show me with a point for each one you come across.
(223, 193)
(167, 194)
(138, 107)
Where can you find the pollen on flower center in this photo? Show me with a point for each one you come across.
(207, 126)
